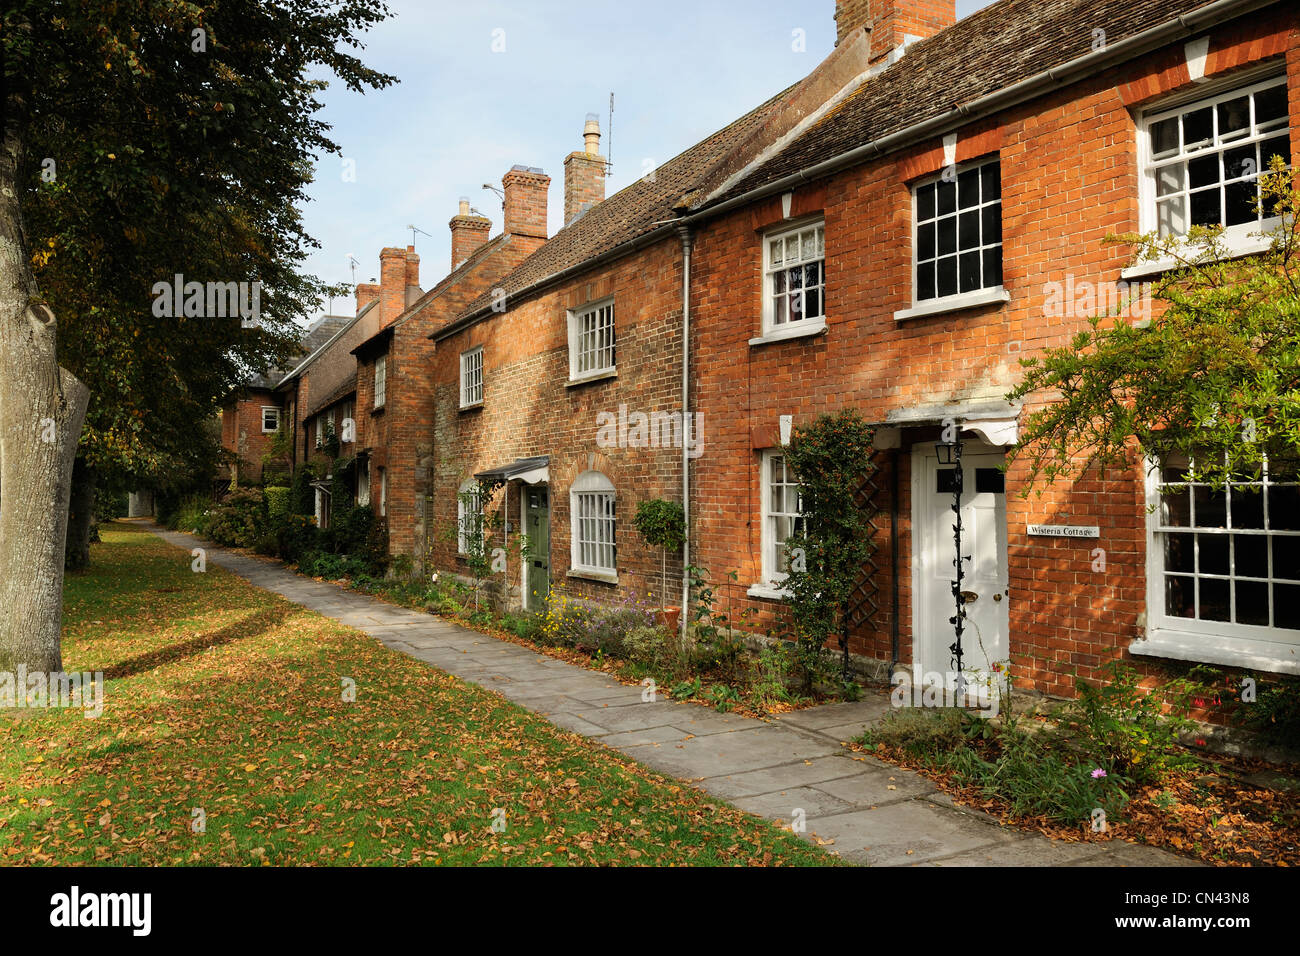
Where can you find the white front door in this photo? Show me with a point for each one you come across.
(984, 560)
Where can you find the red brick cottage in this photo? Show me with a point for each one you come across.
(893, 235)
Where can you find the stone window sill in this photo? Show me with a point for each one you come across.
(955, 303)
(768, 592)
(594, 377)
(605, 577)
(796, 330)
(1271, 656)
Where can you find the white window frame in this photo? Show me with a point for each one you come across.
(320, 430)
(803, 325)
(383, 492)
(471, 377)
(773, 577)
(381, 381)
(363, 483)
(983, 293)
(1223, 642)
(464, 514)
(593, 489)
(1242, 238)
(604, 353)
(276, 426)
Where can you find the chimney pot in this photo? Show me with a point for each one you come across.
(584, 173)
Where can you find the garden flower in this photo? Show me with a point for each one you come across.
(1098, 773)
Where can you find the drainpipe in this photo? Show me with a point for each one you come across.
(685, 233)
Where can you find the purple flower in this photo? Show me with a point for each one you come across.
(1098, 773)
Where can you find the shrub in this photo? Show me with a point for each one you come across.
(321, 564)
(191, 516)
(278, 503)
(296, 537)
(646, 645)
(239, 520)
(770, 675)
(1124, 730)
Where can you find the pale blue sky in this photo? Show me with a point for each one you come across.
(463, 114)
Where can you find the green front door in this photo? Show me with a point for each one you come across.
(537, 524)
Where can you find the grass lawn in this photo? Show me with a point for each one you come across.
(227, 698)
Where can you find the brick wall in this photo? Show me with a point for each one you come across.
(1069, 176)
(530, 409)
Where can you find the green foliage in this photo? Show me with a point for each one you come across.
(771, 673)
(712, 628)
(302, 496)
(1214, 378)
(296, 536)
(110, 503)
(1275, 712)
(830, 457)
(663, 525)
(278, 501)
(1126, 730)
(723, 697)
(646, 645)
(239, 519)
(191, 516)
(321, 564)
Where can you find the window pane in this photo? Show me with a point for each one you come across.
(1241, 199)
(991, 176)
(925, 281)
(1180, 596)
(925, 202)
(1249, 555)
(991, 223)
(777, 249)
(1170, 179)
(1270, 106)
(1171, 215)
(1280, 146)
(1247, 507)
(1215, 600)
(1286, 606)
(947, 197)
(947, 276)
(968, 188)
(992, 267)
(1176, 508)
(795, 278)
(1234, 118)
(1286, 557)
(779, 315)
(968, 229)
(969, 271)
(1203, 171)
(1206, 210)
(1252, 602)
(1198, 128)
(1240, 161)
(1179, 555)
(1213, 557)
(925, 242)
(1284, 508)
(1164, 138)
(812, 303)
(947, 236)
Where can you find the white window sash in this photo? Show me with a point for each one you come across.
(771, 270)
(983, 247)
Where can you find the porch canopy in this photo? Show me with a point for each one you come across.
(532, 471)
(994, 421)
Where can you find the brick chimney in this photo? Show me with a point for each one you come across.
(367, 292)
(468, 232)
(394, 267)
(584, 173)
(893, 23)
(525, 213)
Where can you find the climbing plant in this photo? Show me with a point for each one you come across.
(831, 542)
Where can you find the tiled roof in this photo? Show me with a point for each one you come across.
(312, 339)
(987, 51)
(344, 389)
(631, 212)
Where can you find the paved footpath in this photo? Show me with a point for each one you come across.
(866, 811)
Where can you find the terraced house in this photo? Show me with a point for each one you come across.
(893, 234)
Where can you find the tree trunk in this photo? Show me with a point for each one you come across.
(81, 516)
(42, 408)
